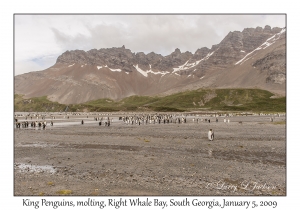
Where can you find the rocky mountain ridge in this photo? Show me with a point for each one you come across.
(115, 73)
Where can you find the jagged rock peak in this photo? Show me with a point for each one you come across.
(177, 51)
(198, 51)
(120, 57)
(276, 29)
(258, 29)
(268, 28)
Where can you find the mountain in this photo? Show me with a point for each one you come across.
(253, 58)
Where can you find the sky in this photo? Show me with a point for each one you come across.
(40, 39)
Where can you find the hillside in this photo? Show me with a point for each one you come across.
(255, 100)
(253, 58)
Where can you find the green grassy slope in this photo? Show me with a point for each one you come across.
(36, 104)
(201, 99)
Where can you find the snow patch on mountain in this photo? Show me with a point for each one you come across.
(100, 67)
(140, 70)
(180, 67)
(264, 45)
(187, 65)
(158, 72)
(145, 73)
(118, 70)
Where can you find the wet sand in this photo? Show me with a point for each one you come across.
(247, 158)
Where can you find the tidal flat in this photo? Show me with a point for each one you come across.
(246, 157)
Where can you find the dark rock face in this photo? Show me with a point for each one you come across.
(232, 48)
(229, 49)
(175, 59)
(274, 64)
(200, 53)
(226, 52)
(124, 59)
(117, 72)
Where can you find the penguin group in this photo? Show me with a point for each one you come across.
(152, 119)
(33, 124)
(107, 120)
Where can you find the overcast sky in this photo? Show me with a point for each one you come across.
(40, 39)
